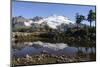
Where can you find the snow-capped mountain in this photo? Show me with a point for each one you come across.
(38, 20)
(54, 21)
(19, 21)
(28, 23)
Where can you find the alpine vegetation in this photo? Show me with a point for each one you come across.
(45, 33)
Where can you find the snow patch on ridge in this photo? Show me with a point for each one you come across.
(28, 23)
(54, 21)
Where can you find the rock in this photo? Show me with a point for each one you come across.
(61, 58)
(18, 59)
(28, 58)
(40, 58)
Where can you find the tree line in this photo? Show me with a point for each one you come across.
(90, 18)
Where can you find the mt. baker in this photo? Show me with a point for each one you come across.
(54, 22)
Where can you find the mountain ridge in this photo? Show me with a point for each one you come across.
(52, 21)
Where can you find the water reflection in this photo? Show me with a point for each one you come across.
(34, 48)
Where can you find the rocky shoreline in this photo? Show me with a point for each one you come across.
(48, 59)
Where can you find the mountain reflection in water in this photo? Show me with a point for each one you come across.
(35, 48)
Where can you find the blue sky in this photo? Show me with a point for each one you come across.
(31, 9)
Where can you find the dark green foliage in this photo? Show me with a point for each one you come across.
(22, 29)
(91, 17)
(79, 19)
(47, 35)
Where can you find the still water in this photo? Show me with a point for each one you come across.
(21, 49)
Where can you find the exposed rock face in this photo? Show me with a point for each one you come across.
(54, 22)
(61, 23)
